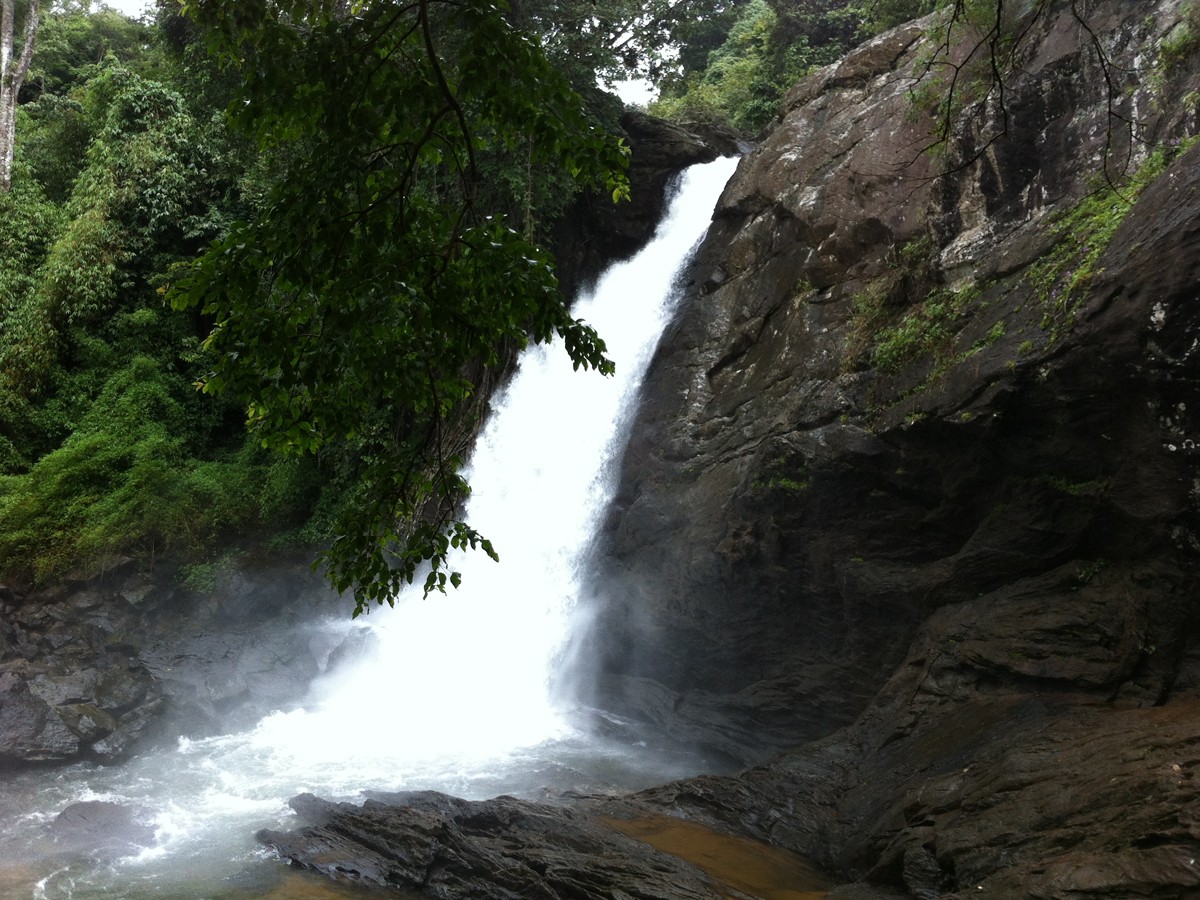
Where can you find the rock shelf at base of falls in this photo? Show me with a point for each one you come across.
(1021, 797)
(509, 849)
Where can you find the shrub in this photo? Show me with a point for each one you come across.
(123, 482)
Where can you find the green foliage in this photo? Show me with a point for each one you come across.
(354, 312)
(906, 284)
(1081, 235)
(921, 330)
(1182, 42)
(1075, 488)
(143, 197)
(764, 47)
(928, 333)
(28, 225)
(698, 38)
(74, 41)
(769, 46)
(783, 484)
(154, 165)
(1088, 573)
(730, 90)
(55, 135)
(784, 474)
(201, 577)
(612, 40)
(877, 16)
(907, 319)
(122, 482)
(830, 26)
(105, 445)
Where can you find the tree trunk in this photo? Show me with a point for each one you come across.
(12, 76)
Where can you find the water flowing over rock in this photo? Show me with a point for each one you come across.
(597, 231)
(98, 665)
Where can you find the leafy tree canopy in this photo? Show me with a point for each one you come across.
(106, 448)
(615, 39)
(737, 73)
(73, 42)
(355, 311)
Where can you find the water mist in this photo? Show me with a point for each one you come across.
(453, 692)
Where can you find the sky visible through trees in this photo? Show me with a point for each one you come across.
(133, 8)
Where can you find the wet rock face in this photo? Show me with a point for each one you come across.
(596, 232)
(791, 510)
(504, 848)
(91, 669)
(70, 685)
(1016, 796)
(960, 557)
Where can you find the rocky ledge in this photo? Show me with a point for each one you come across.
(95, 667)
(574, 848)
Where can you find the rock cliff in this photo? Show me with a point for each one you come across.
(95, 668)
(918, 462)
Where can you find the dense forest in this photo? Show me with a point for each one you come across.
(255, 259)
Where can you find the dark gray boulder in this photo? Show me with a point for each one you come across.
(93, 669)
(504, 848)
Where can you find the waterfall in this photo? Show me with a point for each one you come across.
(454, 692)
(468, 674)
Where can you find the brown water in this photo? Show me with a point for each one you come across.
(744, 865)
(297, 884)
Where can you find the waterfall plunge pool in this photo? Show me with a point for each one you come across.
(461, 694)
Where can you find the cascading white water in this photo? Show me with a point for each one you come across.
(455, 692)
(468, 674)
